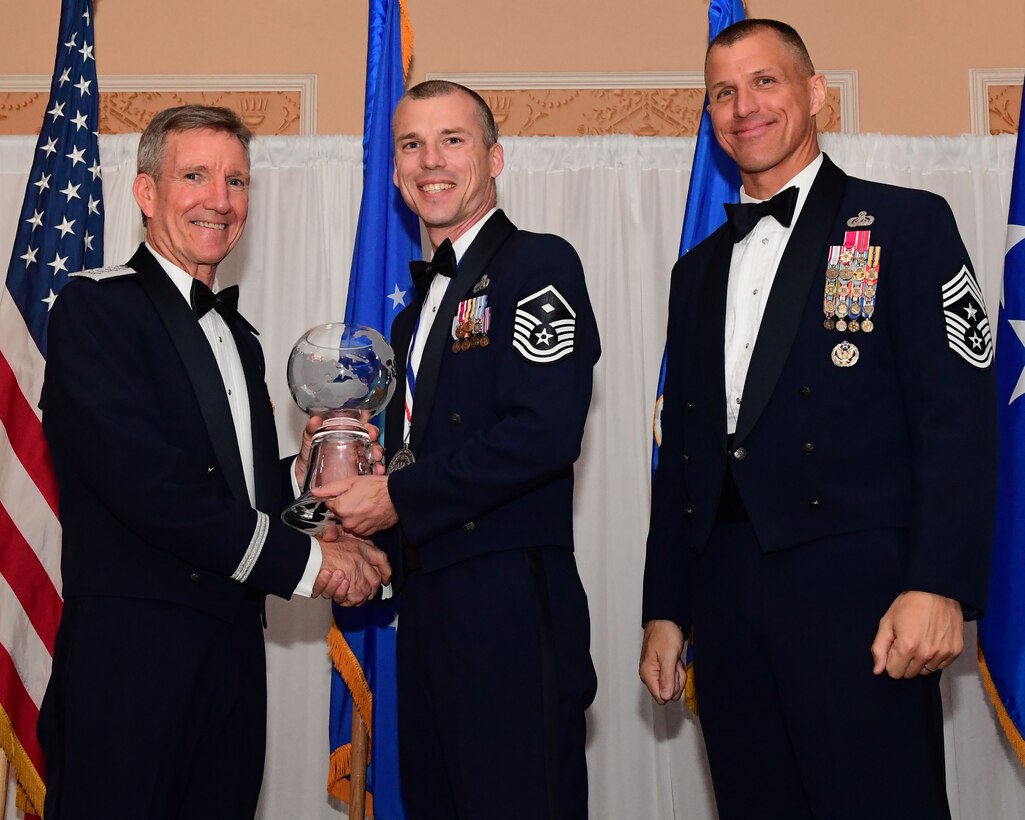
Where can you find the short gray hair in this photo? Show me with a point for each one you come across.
(153, 145)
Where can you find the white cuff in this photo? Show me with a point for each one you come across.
(305, 586)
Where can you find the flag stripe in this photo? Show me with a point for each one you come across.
(30, 658)
(25, 434)
(20, 708)
(20, 567)
(22, 354)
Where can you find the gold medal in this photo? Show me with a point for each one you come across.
(841, 325)
(829, 324)
(484, 341)
(456, 347)
(854, 326)
(868, 325)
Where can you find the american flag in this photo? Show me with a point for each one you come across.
(60, 231)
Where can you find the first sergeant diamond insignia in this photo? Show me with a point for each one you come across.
(968, 331)
(544, 327)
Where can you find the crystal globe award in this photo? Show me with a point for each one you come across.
(344, 374)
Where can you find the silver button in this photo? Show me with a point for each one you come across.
(740, 454)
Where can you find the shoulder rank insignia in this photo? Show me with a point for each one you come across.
(107, 273)
(862, 220)
(964, 311)
(545, 326)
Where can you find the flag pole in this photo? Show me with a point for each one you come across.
(5, 774)
(360, 761)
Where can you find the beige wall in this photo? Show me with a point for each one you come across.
(912, 56)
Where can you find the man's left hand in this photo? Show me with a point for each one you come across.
(361, 504)
(920, 633)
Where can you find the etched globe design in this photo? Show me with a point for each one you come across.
(339, 369)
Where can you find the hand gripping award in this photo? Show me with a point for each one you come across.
(346, 375)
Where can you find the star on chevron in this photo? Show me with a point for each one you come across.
(398, 298)
(543, 337)
(50, 147)
(971, 311)
(80, 121)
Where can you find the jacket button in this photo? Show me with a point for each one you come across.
(194, 576)
(688, 513)
(816, 504)
(469, 526)
(688, 406)
(686, 458)
(805, 391)
(455, 418)
(740, 454)
(808, 448)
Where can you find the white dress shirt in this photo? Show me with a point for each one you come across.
(429, 312)
(222, 343)
(752, 271)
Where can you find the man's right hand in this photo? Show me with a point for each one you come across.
(662, 668)
(352, 570)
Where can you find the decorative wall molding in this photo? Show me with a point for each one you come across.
(645, 103)
(995, 99)
(269, 103)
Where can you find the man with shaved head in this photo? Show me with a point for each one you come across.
(829, 393)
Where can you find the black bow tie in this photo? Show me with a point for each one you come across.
(224, 302)
(744, 216)
(443, 263)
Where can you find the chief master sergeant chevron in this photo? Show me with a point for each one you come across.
(494, 668)
(822, 509)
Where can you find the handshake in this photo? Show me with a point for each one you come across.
(352, 570)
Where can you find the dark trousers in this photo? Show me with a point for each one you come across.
(495, 674)
(156, 711)
(796, 725)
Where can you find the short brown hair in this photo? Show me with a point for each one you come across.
(745, 28)
(442, 88)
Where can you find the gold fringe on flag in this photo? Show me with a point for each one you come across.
(362, 700)
(407, 38)
(690, 692)
(1013, 735)
(31, 790)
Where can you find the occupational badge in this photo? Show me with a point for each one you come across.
(481, 284)
(964, 311)
(544, 327)
(862, 220)
(845, 354)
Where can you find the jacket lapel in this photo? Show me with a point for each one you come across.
(802, 261)
(401, 337)
(199, 362)
(474, 262)
(712, 329)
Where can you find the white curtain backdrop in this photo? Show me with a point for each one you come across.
(619, 201)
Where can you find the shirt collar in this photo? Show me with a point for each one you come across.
(181, 279)
(802, 181)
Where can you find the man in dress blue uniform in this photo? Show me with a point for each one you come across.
(829, 410)
(493, 646)
(159, 423)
